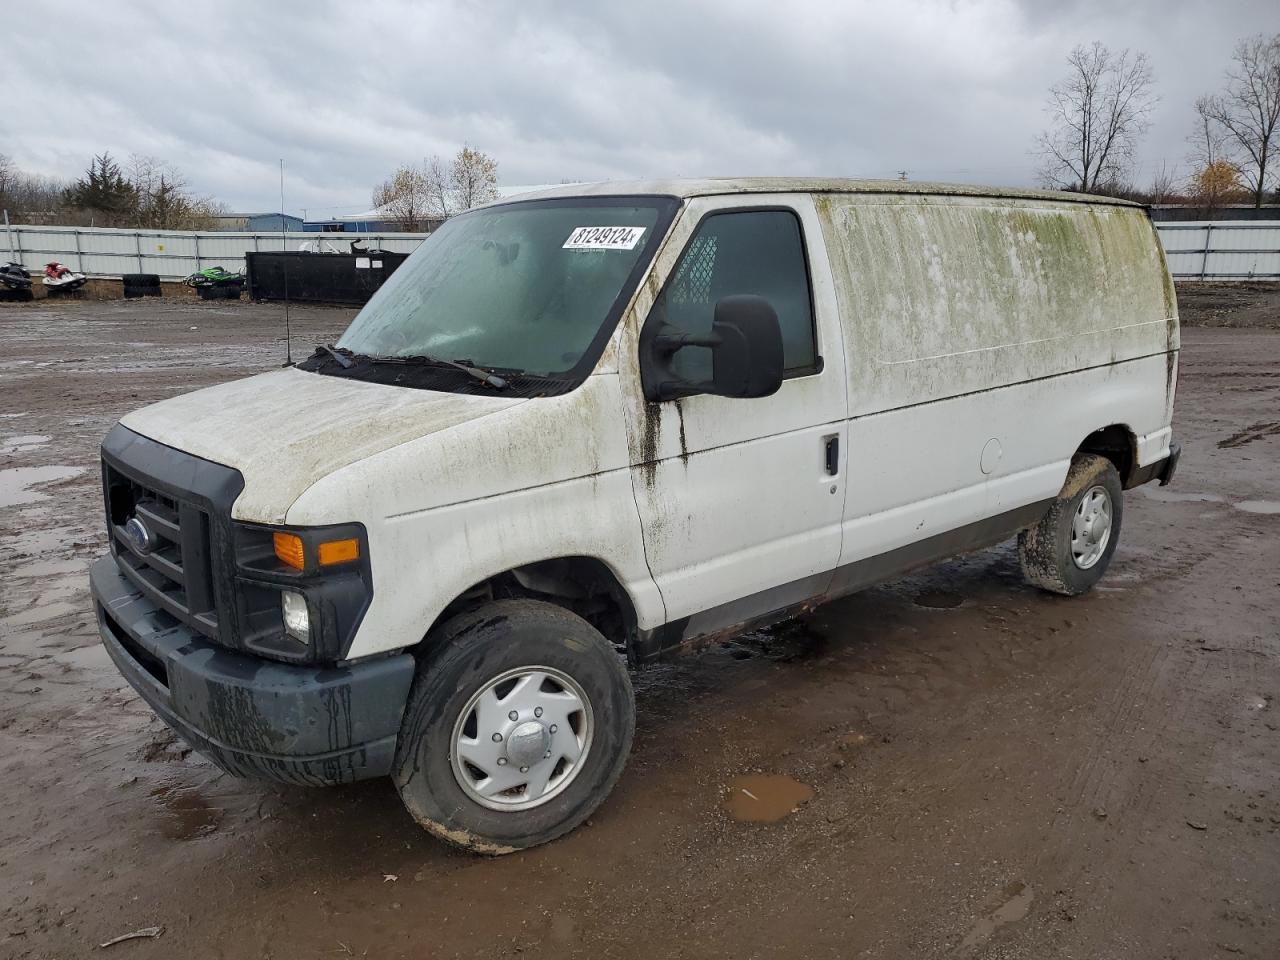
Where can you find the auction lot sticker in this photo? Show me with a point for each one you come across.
(604, 238)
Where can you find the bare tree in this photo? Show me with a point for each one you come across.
(404, 198)
(33, 198)
(7, 174)
(474, 178)
(1164, 185)
(1206, 142)
(468, 180)
(439, 190)
(1245, 118)
(1097, 114)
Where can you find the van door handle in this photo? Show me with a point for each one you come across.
(833, 455)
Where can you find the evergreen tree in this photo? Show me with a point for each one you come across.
(105, 190)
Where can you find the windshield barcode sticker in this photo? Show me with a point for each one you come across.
(604, 238)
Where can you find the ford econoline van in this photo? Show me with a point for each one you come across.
(574, 431)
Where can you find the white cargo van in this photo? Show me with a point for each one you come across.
(581, 429)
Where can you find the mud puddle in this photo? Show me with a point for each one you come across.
(938, 599)
(1161, 495)
(766, 797)
(17, 484)
(1016, 905)
(1258, 506)
(21, 443)
(51, 568)
(1248, 506)
(186, 814)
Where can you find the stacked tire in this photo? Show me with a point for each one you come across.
(141, 285)
(221, 291)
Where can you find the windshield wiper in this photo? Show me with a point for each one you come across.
(484, 376)
(343, 361)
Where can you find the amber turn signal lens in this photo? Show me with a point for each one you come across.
(289, 550)
(338, 551)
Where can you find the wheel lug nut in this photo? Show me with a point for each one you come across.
(497, 738)
(513, 715)
(537, 711)
(553, 728)
(547, 755)
(524, 769)
(502, 761)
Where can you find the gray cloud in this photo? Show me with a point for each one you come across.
(345, 91)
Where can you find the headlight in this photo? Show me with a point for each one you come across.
(300, 592)
(297, 621)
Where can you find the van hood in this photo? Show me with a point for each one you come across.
(287, 429)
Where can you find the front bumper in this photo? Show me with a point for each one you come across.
(251, 716)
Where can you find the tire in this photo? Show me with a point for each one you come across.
(1051, 559)
(518, 639)
(141, 279)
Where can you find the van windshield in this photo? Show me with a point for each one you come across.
(532, 288)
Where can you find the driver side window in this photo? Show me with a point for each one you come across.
(759, 252)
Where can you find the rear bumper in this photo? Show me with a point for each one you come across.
(1162, 470)
(251, 716)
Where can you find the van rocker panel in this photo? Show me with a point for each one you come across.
(253, 717)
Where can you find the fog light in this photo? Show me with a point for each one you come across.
(297, 622)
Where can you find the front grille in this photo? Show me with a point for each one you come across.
(176, 574)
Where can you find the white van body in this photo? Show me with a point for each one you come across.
(968, 345)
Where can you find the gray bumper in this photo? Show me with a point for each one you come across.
(251, 716)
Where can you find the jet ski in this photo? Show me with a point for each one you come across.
(60, 277)
(13, 276)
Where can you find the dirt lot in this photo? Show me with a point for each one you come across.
(995, 772)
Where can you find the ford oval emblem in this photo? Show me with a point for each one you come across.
(139, 536)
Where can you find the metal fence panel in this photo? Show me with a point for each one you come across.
(172, 254)
(1217, 250)
(1222, 249)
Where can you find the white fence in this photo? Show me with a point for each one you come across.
(1222, 249)
(173, 254)
(1201, 250)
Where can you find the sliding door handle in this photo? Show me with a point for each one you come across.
(833, 455)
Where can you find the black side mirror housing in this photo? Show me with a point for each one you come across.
(746, 353)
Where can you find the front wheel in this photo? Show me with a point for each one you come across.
(518, 726)
(1069, 550)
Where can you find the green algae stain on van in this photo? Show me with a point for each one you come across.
(946, 295)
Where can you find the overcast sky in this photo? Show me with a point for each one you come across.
(345, 91)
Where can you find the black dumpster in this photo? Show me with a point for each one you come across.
(319, 277)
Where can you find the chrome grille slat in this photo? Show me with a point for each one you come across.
(166, 560)
(159, 518)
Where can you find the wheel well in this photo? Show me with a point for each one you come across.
(1118, 444)
(582, 585)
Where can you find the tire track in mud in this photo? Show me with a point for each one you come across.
(1258, 431)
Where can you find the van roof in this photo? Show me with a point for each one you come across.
(731, 185)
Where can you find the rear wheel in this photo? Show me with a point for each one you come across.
(1069, 550)
(518, 726)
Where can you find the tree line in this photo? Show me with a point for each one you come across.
(144, 193)
(1101, 109)
(417, 196)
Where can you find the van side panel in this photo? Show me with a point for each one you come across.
(988, 338)
(944, 296)
(917, 471)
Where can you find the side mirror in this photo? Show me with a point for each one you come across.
(746, 353)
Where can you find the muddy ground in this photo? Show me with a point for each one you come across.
(990, 772)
